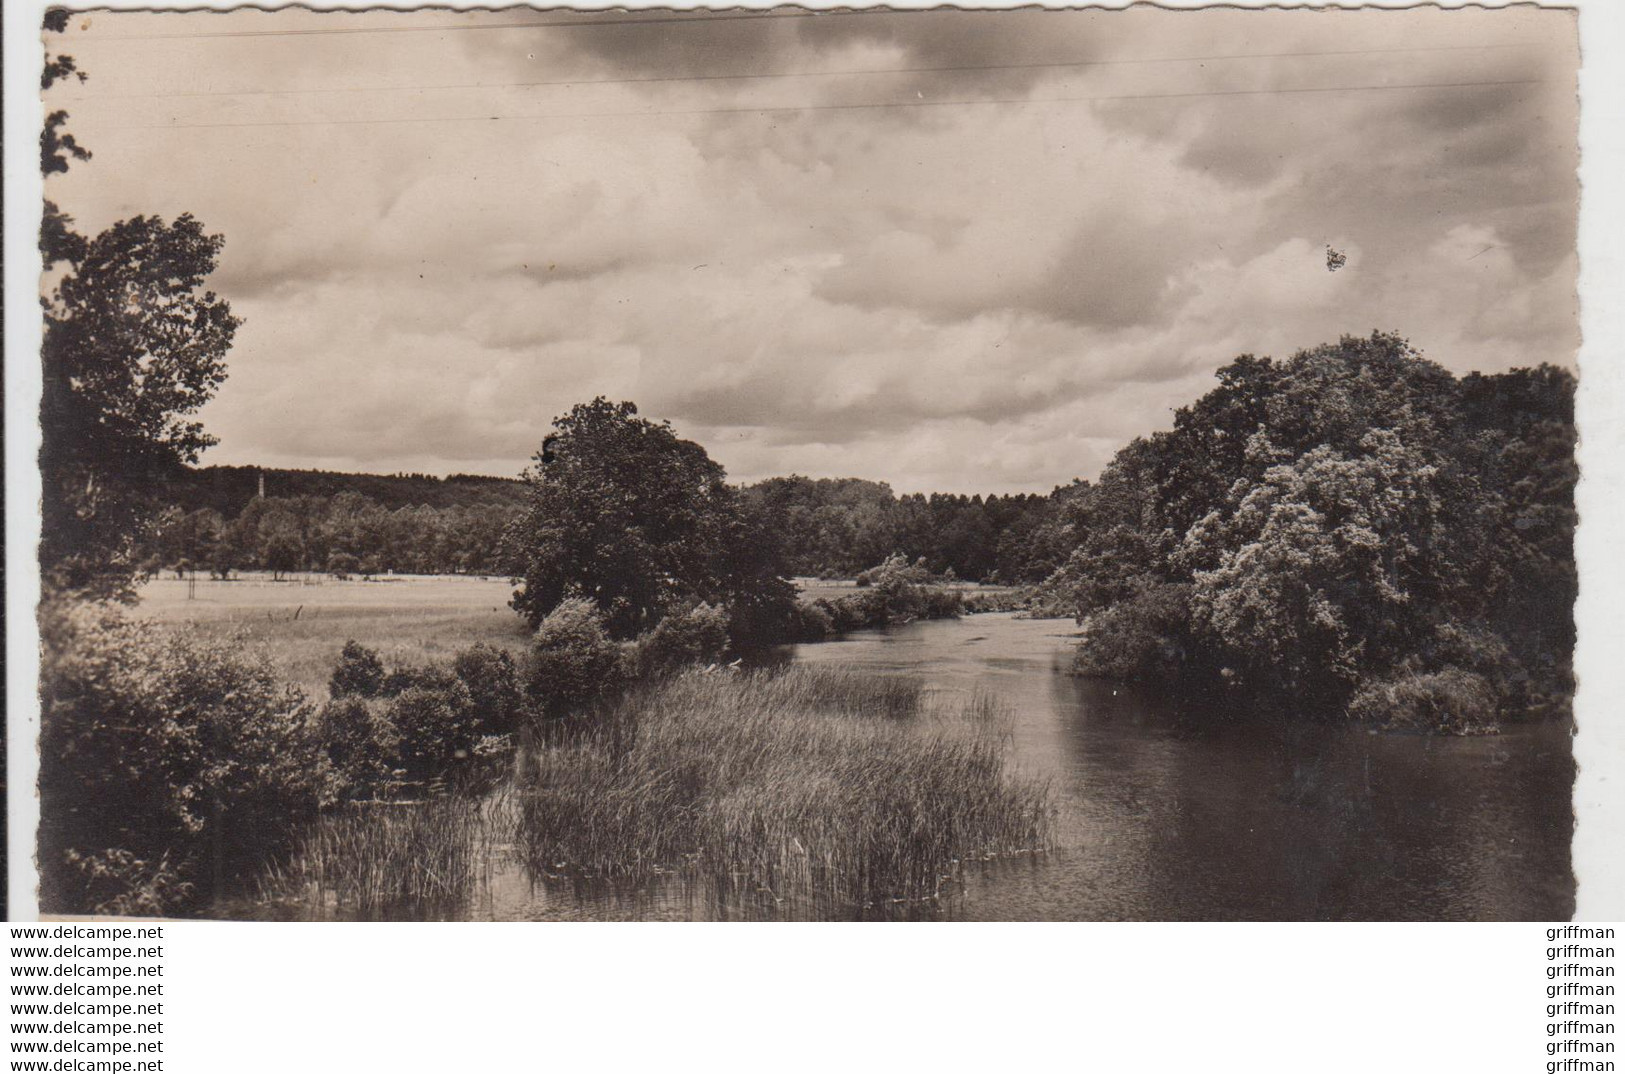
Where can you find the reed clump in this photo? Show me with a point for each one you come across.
(797, 784)
(384, 859)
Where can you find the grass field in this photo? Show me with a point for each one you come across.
(301, 623)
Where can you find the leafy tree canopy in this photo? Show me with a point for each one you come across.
(629, 516)
(133, 346)
(1351, 516)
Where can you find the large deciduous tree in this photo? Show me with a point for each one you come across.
(1352, 516)
(1327, 569)
(58, 241)
(640, 522)
(132, 346)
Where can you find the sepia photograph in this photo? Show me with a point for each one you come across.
(791, 465)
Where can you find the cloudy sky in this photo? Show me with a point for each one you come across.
(971, 252)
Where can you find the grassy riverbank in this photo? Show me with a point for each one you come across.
(848, 791)
(819, 787)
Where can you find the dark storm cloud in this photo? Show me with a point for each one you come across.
(1021, 42)
(826, 59)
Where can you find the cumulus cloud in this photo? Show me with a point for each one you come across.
(954, 296)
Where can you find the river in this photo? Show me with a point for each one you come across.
(1170, 815)
(1214, 816)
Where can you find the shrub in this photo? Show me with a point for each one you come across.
(909, 591)
(1470, 648)
(436, 728)
(572, 660)
(1143, 637)
(855, 611)
(1051, 600)
(895, 591)
(359, 672)
(492, 680)
(936, 603)
(117, 882)
(360, 744)
(1452, 701)
(698, 636)
(864, 580)
(429, 676)
(811, 622)
(896, 574)
(342, 564)
(170, 765)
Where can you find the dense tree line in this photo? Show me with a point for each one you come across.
(227, 489)
(1351, 529)
(213, 519)
(347, 534)
(840, 526)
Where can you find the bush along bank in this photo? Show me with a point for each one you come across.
(170, 764)
(896, 591)
(175, 768)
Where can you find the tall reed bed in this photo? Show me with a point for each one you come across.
(387, 859)
(798, 784)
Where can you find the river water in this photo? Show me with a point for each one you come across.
(1210, 815)
(1169, 815)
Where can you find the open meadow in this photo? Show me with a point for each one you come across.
(301, 622)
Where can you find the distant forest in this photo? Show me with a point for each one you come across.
(228, 489)
(313, 520)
